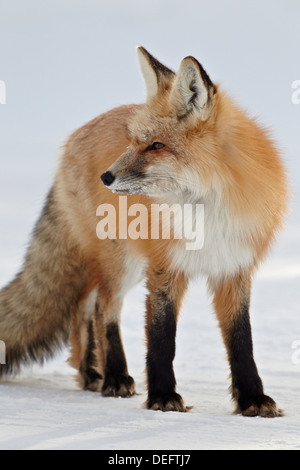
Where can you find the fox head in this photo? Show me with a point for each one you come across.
(171, 136)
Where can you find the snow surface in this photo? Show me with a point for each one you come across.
(63, 64)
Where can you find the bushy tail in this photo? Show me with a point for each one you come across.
(36, 308)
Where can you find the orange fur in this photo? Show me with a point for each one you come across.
(212, 153)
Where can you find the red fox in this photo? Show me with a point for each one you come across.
(189, 144)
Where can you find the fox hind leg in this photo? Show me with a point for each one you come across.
(97, 350)
(84, 354)
(93, 380)
(97, 347)
(116, 380)
(122, 277)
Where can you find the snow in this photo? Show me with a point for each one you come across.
(43, 408)
(62, 65)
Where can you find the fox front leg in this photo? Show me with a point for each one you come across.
(163, 304)
(231, 301)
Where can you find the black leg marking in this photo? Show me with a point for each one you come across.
(117, 382)
(161, 353)
(247, 387)
(89, 374)
(246, 382)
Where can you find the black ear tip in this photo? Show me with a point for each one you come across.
(141, 50)
(206, 78)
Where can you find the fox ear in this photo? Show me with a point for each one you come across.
(193, 90)
(155, 74)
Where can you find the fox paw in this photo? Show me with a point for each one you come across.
(168, 402)
(263, 406)
(90, 380)
(118, 386)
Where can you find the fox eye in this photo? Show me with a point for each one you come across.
(155, 146)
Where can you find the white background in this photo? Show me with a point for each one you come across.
(66, 61)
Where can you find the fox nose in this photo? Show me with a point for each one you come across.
(108, 178)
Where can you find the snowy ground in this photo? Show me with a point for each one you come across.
(43, 408)
(63, 64)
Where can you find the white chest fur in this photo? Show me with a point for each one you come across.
(134, 273)
(226, 248)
